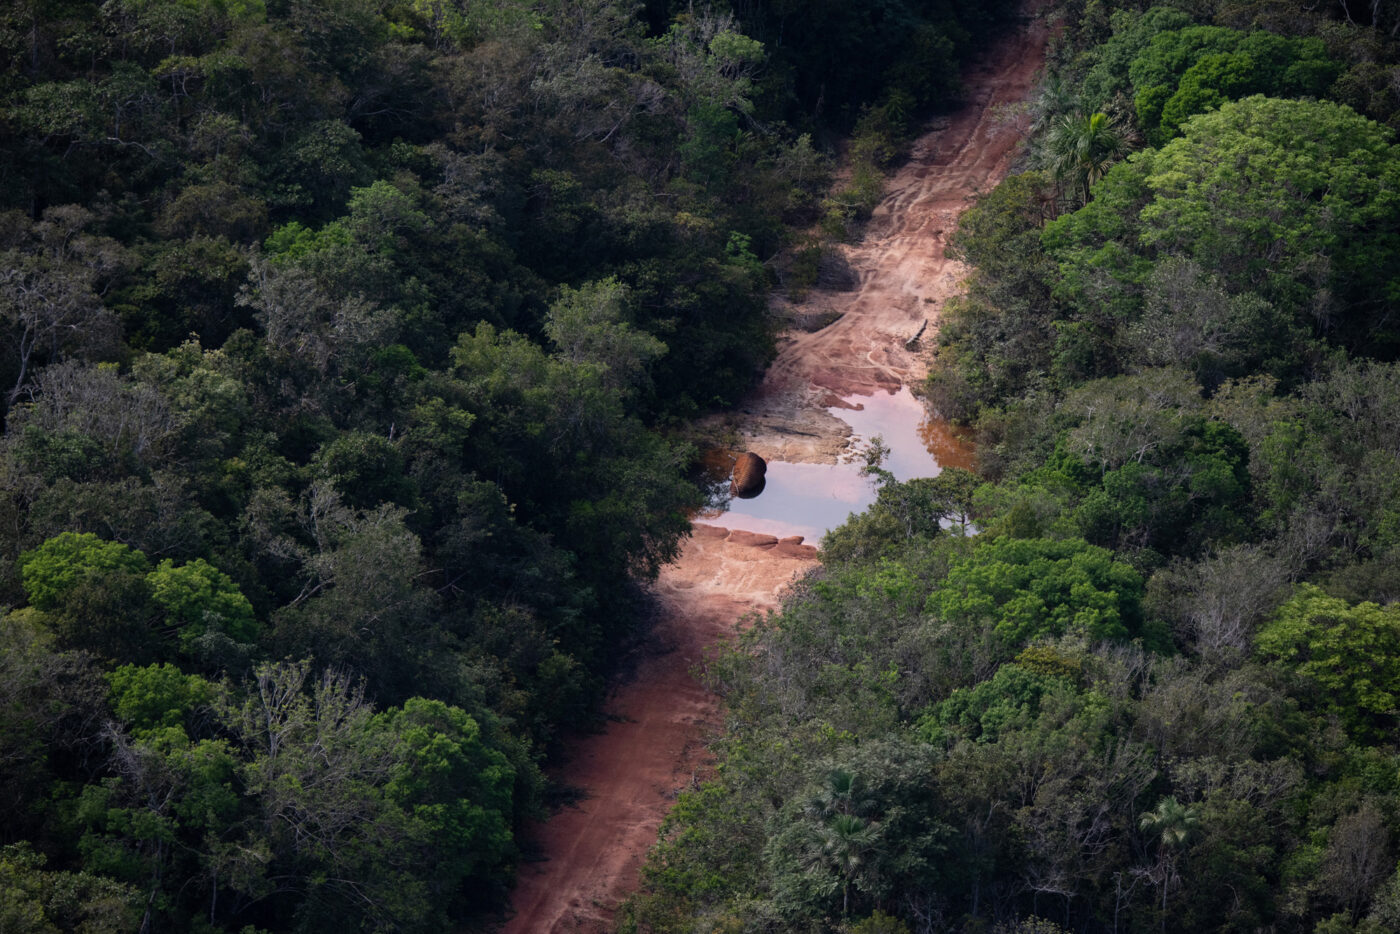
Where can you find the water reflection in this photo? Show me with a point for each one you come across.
(810, 499)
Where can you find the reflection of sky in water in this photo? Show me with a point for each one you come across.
(810, 499)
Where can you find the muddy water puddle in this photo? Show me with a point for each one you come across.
(811, 499)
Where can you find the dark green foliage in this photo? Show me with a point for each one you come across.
(822, 52)
(1190, 71)
(1010, 699)
(349, 332)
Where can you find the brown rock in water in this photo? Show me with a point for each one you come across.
(748, 474)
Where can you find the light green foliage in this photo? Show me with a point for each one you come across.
(1024, 588)
(154, 697)
(444, 19)
(1261, 186)
(294, 240)
(879, 923)
(383, 217)
(589, 325)
(63, 564)
(1349, 654)
(1171, 822)
(198, 598)
(805, 168)
(456, 786)
(734, 56)
(463, 22)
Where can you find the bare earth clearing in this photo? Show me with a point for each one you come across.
(632, 772)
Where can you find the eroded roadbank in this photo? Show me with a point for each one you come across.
(653, 748)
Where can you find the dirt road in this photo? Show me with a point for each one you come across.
(902, 277)
(633, 771)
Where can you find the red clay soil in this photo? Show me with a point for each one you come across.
(901, 276)
(632, 773)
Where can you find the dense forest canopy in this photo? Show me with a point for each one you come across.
(346, 353)
(1140, 673)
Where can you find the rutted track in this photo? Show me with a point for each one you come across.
(902, 277)
(632, 772)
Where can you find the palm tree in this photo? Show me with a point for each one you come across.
(844, 836)
(845, 841)
(843, 794)
(1082, 148)
(1173, 824)
(1053, 100)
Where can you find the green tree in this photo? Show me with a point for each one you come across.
(168, 807)
(63, 564)
(589, 325)
(93, 591)
(36, 900)
(459, 790)
(202, 603)
(1261, 186)
(1080, 149)
(156, 697)
(1347, 656)
(1173, 824)
(1023, 588)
